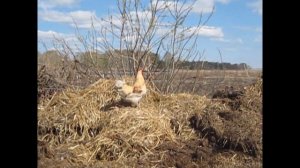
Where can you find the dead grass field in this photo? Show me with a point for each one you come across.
(89, 127)
(203, 82)
(207, 82)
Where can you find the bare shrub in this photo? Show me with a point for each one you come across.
(135, 37)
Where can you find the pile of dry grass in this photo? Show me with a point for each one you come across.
(88, 128)
(73, 120)
(253, 97)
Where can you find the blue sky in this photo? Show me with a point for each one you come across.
(235, 26)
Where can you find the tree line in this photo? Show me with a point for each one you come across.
(102, 60)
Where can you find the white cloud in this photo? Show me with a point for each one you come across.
(46, 34)
(209, 31)
(55, 16)
(99, 39)
(205, 6)
(223, 1)
(221, 39)
(162, 4)
(115, 19)
(141, 14)
(50, 35)
(83, 19)
(234, 41)
(52, 39)
(204, 31)
(46, 4)
(256, 6)
(130, 38)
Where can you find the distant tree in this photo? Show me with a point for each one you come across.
(51, 58)
(244, 66)
(93, 59)
(167, 59)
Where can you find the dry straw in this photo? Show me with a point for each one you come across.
(88, 126)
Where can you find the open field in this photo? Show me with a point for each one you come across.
(203, 82)
(207, 82)
(89, 127)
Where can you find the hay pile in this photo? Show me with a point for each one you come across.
(90, 128)
(253, 97)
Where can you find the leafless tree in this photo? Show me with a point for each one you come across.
(138, 34)
(159, 27)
